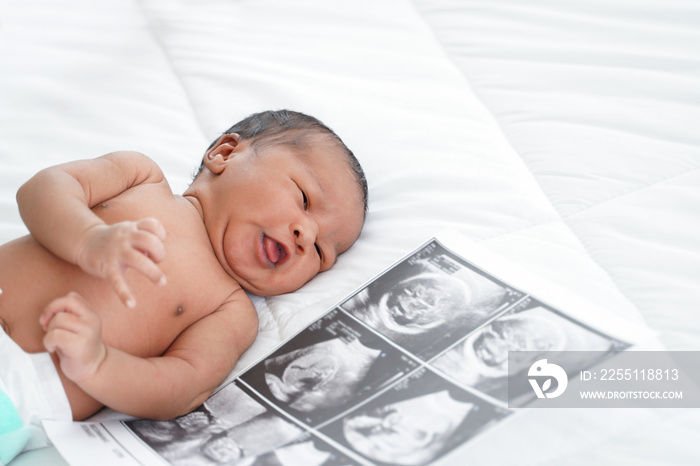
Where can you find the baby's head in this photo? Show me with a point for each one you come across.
(282, 197)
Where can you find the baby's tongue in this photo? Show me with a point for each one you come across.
(272, 249)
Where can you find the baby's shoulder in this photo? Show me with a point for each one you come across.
(239, 305)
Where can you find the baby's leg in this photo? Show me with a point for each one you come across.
(3, 324)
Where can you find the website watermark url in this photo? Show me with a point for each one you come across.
(604, 379)
(630, 395)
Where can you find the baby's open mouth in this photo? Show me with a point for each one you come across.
(275, 251)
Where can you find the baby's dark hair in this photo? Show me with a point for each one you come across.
(274, 127)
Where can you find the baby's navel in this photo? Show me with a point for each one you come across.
(179, 311)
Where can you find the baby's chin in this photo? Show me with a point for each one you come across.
(265, 289)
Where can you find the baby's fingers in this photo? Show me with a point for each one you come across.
(152, 226)
(60, 339)
(116, 278)
(148, 240)
(73, 332)
(72, 304)
(143, 263)
(149, 244)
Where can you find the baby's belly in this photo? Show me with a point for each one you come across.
(31, 277)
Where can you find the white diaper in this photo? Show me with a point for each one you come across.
(32, 383)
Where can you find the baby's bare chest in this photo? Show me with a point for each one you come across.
(196, 283)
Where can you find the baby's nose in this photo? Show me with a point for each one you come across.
(305, 235)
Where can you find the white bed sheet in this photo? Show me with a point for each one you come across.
(562, 135)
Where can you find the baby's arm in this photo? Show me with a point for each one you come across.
(154, 388)
(56, 206)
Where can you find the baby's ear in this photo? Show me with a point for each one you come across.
(222, 150)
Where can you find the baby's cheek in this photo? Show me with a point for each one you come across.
(285, 282)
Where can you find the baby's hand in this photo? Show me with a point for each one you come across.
(108, 250)
(74, 333)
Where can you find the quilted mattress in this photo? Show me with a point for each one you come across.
(561, 135)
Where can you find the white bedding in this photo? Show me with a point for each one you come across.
(562, 135)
